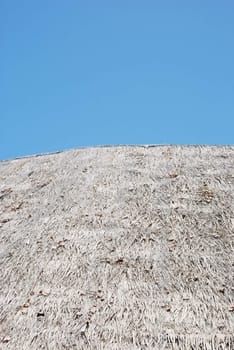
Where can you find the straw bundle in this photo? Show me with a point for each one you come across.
(125, 247)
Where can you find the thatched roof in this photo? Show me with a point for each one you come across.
(118, 248)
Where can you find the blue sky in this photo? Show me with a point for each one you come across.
(88, 72)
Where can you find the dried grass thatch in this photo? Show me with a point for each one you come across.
(118, 248)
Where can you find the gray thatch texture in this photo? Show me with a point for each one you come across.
(118, 248)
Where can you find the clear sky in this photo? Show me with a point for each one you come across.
(92, 72)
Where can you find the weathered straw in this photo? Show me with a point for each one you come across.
(118, 248)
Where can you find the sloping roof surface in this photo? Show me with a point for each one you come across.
(118, 248)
